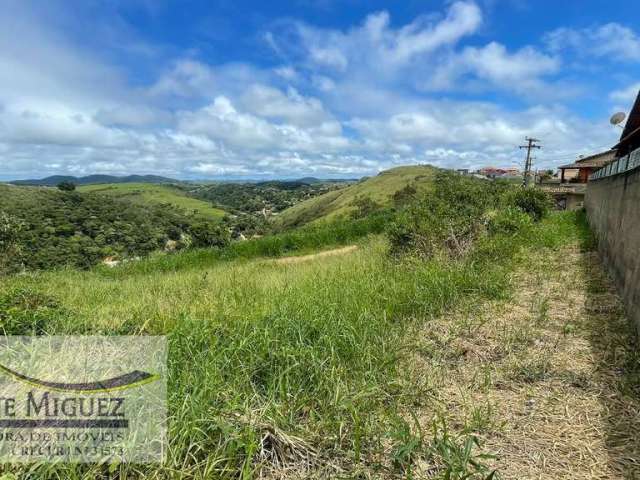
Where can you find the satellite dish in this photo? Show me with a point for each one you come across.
(617, 118)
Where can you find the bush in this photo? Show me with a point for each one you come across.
(509, 220)
(533, 201)
(405, 195)
(447, 219)
(364, 206)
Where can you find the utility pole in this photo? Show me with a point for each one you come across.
(531, 143)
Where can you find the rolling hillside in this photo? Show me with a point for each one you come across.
(43, 228)
(380, 189)
(153, 193)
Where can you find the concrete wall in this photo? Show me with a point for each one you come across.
(613, 209)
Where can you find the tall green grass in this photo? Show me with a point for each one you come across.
(313, 350)
(299, 241)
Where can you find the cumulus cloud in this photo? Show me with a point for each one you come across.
(522, 71)
(187, 78)
(423, 54)
(245, 131)
(377, 44)
(608, 40)
(337, 103)
(494, 63)
(291, 107)
(420, 37)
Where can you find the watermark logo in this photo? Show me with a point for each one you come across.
(83, 399)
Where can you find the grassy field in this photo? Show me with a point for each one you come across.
(148, 192)
(380, 189)
(287, 369)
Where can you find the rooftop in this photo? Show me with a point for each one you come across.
(598, 160)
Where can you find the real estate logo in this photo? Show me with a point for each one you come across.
(82, 399)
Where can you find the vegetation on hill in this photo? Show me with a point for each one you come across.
(300, 369)
(157, 194)
(41, 228)
(377, 191)
(252, 204)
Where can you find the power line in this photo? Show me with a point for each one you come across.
(531, 144)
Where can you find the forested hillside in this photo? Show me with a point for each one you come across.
(43, 227)
(273, 196)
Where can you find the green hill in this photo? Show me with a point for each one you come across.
(157, 194)
(379, 189)
(43, 227)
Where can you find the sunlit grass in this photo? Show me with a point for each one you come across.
(312, 349)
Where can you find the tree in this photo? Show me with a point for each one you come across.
(208, 234)
(66, 186)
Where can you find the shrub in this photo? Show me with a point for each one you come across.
(509, 220)
(365, 206)
(447, 219)
(405, 195)
(533, 201)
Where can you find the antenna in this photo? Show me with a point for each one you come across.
(617, 118)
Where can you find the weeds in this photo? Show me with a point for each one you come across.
(455, 457)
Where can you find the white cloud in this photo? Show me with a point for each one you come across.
(362, 102)
(59, 129)
(129, 115)
(294, 108)
(608, 40)
(379, 45)
(478, 68)
(493, 62)
(423, 54)
(221, 121)
(626, 95)
(187, 78)
(322, 83)
(286, 72)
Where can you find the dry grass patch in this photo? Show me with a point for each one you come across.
(314, 256)
(547, 382)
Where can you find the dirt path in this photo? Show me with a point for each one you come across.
(548, 381)
(326, 253)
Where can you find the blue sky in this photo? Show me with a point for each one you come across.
(239, 89)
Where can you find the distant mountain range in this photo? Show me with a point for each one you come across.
(94, 179)
(56, 179)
